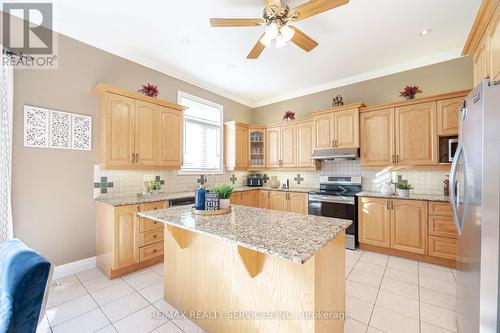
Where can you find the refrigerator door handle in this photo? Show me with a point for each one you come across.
(454, 196)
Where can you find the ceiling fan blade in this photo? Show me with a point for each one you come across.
(257, 49)
(235, 22)
(314, 7)
(302, 40)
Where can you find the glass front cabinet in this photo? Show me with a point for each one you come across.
(256, 148)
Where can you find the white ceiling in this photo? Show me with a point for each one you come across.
(361, 40)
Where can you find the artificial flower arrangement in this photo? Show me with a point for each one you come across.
(289, 116)
(409, 92)
(149, 90)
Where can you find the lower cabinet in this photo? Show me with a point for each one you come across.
(126, 242)
(408, 226)
(374, 221)
(277, 200)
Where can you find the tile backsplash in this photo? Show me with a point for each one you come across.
(128, 183)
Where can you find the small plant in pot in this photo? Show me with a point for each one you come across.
(403, 188)
(224, 191)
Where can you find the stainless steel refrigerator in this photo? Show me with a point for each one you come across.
(475, 199)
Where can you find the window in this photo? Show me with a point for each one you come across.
(202, 135)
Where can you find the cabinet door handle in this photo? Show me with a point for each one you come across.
(397, 159)
(154, 236)
(393, 159)
(387, 204)
(133, 158)
(136, 157)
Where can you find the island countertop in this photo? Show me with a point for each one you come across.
(290, 236)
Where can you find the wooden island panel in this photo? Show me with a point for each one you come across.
(212, 276)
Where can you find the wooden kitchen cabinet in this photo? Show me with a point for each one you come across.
(252, 198)
(323, 135)
(416, 137)
(273, 147)
(448, 116)
(298, 203)
(483, 43)
(374, 221)
(133, 130)
(346, 128)
(124, 241)
(116, 131)
(236, 145)
(288, 146)
(169, 131)
(442, 231)
(377, 138)
(145, 120)
(263, 198)
(278, 200)
(337, 127)
(304, 144)
(442, 247)
(409, 225)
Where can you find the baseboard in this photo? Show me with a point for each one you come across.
(74, 267)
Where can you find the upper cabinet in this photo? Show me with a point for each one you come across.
(416, 139)
(257, 147)
(337, 128)
(448, 114)
(483, 43)
(377, 137)
(236, 138)
(290, 146)
(408, 133)
(134, 130)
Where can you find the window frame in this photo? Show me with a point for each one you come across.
(190, 171)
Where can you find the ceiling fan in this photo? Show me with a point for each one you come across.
(277, 15)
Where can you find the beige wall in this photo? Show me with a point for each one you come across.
(52, 190)
(440, 78)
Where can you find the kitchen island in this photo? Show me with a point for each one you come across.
(255, 270)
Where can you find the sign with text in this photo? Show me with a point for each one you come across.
(211, 201)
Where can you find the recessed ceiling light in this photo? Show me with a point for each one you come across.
(425, 32)
(185, 40)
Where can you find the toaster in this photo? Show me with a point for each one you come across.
(254, 180)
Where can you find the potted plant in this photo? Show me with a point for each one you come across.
(149, 90)
(409, 92)
(403, 188)
(155, 186)
(224, 191)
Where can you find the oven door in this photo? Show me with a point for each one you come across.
(337, 207)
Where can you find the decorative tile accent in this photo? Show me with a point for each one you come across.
(265, 178)
(36, 127)
(233, 179)
(202, 180)
(81, 136)
(298, 179)
(103, 185)
(60, 130)
(158, 179)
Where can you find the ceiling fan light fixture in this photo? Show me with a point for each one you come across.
(266, 41)
(272, 31)
(287, 33)
(280, 41)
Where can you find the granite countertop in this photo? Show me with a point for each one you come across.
(427, 197)
(135, 200)
(289, 236)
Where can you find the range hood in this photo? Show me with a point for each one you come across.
(336, 154)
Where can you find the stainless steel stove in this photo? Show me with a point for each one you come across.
(337, 198)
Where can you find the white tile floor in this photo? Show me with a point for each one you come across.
(383, 294)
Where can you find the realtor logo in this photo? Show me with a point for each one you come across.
(28, 38)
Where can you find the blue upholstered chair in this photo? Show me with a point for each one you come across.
(24, 285)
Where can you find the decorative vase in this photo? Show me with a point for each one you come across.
(224, 203)
(403, 193)
(387, 189)
(273, 182)
(289, 120)
(410, 97)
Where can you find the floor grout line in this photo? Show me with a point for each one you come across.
(378, 292)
